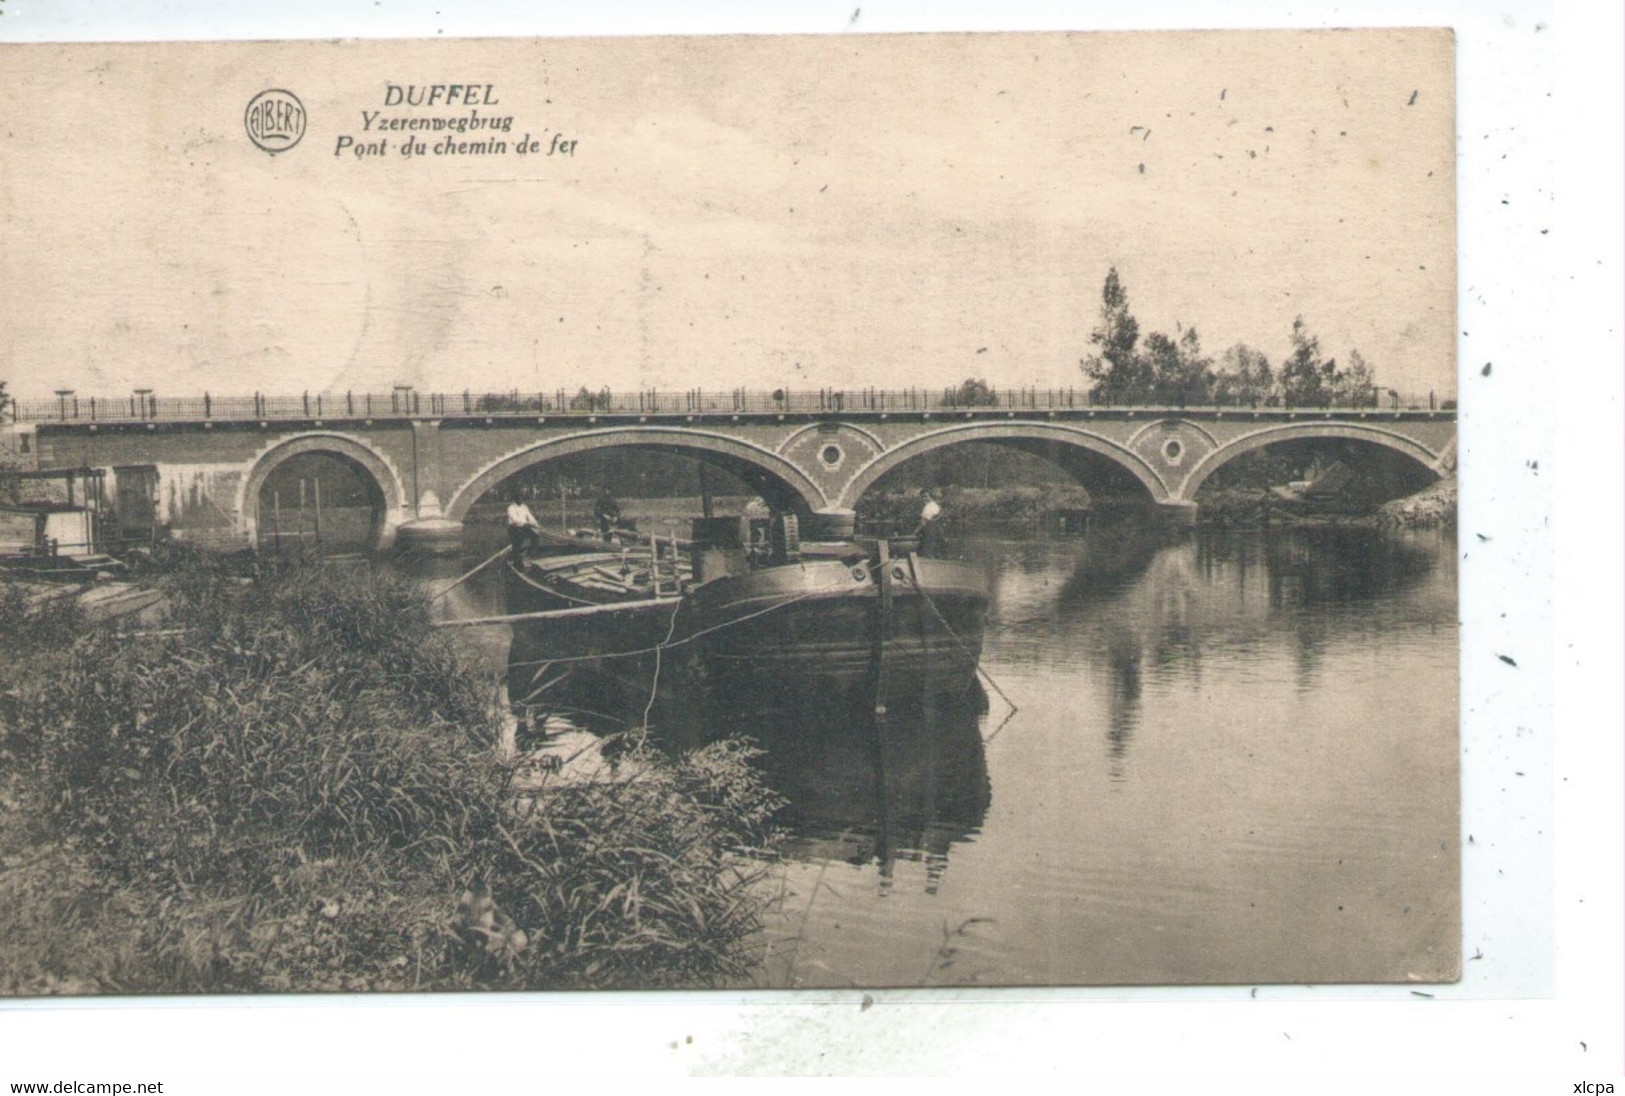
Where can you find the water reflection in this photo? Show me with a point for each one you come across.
(1113, 555)
(1132, 604)
(1234, 760)
(907, 785)
(1150, 608)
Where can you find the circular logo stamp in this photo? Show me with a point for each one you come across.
(275, 120)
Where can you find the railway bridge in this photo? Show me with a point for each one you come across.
(431, 457)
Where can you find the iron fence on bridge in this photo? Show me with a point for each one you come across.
(146, 406)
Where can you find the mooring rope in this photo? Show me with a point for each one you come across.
(546, 685)
(504, 551)
(686, 639)
(975, 658)
(654, 684)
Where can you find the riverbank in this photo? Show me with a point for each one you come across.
(1031, 507)
(294, 783)
(1432, 507)
(981, 507)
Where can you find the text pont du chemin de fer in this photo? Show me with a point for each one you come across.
(449, 130)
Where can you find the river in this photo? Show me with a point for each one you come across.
(1203, 758)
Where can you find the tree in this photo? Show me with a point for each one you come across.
(1180, 374)
(1356, 386)
(972, 392)
(586, 399)
(1174, 372)
(1119, 372)
(1307, 379)
(9, 458)
(1244, 378)
(510, 401)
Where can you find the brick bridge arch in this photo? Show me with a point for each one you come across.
(1101, 457)
(1437, 463)
(373, 464)
(776, 477)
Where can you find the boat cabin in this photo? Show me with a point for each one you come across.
(51, 528)
(47, 529)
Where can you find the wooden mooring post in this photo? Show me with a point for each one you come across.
(880, 623)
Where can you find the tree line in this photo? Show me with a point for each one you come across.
(1163, 370)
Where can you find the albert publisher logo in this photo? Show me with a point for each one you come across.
(275, 120)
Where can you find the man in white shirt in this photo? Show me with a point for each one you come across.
(930, 538)
(929, 510)
(523, 528)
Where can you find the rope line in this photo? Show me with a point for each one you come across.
(688, 638)
(546, 685)
(654, 685)
(502, 552)
(976, 658)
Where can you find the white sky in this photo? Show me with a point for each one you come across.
(836, 210)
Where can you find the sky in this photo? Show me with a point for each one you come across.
(789, 211)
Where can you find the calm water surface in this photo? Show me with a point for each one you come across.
(1233, 758)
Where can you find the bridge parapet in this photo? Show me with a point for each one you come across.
(843, 403)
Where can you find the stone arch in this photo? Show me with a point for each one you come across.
(753, 463)
(377, 467)
(1309, 431)
(1090, 444)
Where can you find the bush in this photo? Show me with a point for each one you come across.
(633, 882)
(34, 619)
(964, 507)
(296, 786)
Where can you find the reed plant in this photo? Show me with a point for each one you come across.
(293, 783)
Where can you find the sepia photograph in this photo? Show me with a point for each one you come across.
(730, 512)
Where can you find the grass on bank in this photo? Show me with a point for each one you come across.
(293, 784)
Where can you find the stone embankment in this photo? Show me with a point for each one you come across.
(1432, 507)
(1429, 508)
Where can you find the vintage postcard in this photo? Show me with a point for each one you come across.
(752, 512)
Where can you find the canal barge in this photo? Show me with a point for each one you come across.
(753, 617)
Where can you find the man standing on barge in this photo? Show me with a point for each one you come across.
(930, 537)
(524, 531)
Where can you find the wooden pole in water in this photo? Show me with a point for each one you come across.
(706, 507)
(276, 520)
(880, 622)
(318, 483)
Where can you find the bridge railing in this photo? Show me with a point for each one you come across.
(146, 406)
